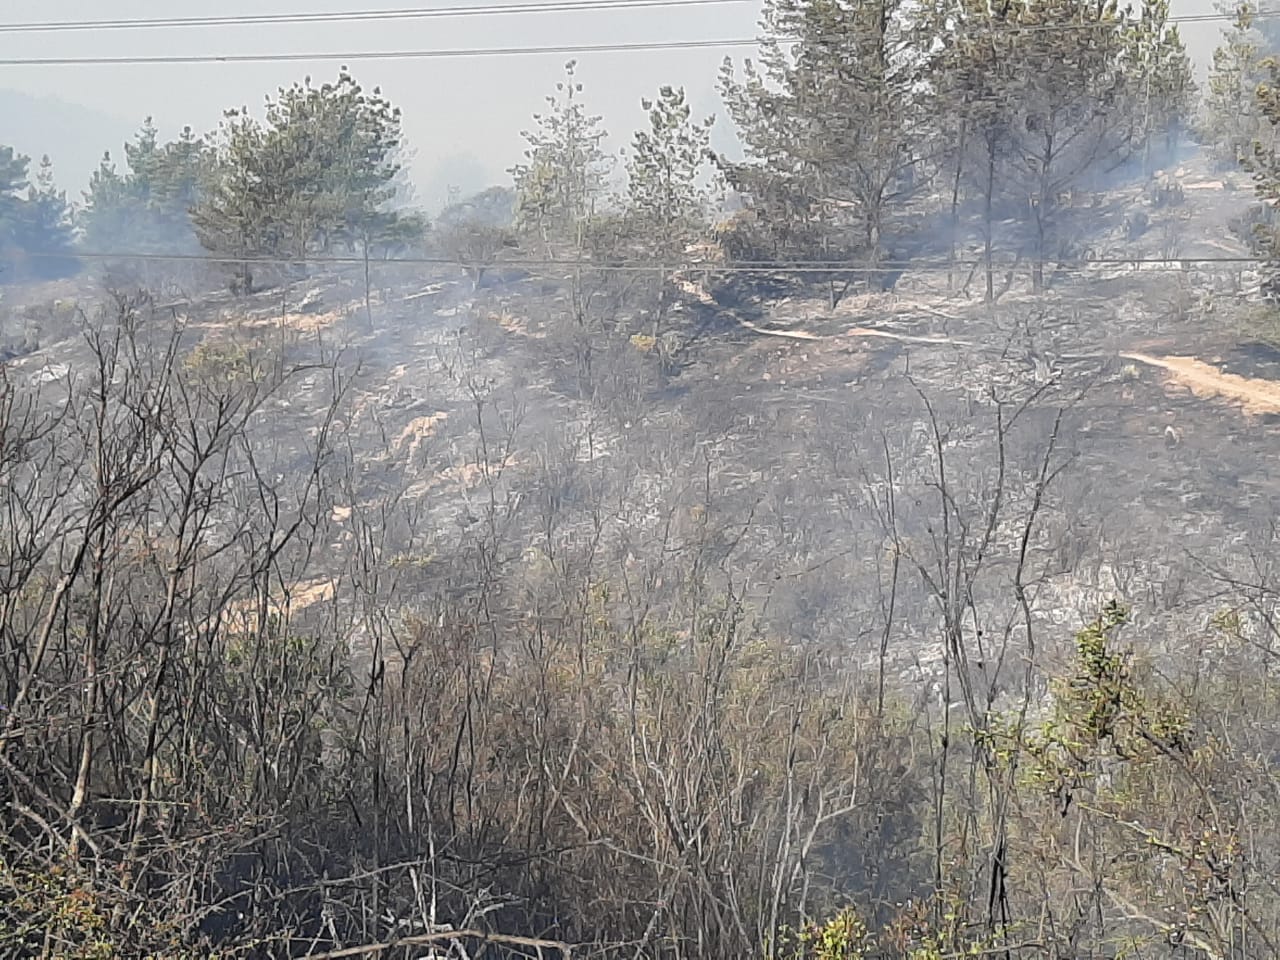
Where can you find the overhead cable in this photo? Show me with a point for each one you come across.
(445, 54)
(651, 266)
(352, 16)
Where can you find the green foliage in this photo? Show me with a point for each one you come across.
(233, 217)
(34, 215)
(832, 126)
(48, 227)
(1166, 90)
(842, 937)
(1099, 711)
(147, 208)
(1232, 116)
(13, 186)
(666, 200)
(1263, 162)
(220, 362)
(319, 173)
(62, 912)
(925, 930)
(562, 178)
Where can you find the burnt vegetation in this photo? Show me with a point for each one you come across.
(863, 549)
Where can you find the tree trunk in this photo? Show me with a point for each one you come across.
(955, 206)
(988, 220)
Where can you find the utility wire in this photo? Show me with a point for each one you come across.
(650, 266)
(493, 9)
(482, 52)
(352, 16)
(551, 6)
(570, 48)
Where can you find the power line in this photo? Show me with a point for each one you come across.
(492, 9)
(547, 6)
(352, 16)
(649, 266)
(568, 48)
(1004, 27)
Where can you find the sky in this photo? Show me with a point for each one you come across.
(462, 116)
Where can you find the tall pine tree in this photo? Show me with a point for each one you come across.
(13, 189)
(49, 228)
(832, 122)
(562, 178)
(146, 208)
(1165, 90)
(1232, 119)
(667, 197)
(319, 173)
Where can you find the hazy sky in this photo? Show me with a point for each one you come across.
(462, 116)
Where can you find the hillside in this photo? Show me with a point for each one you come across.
(769, 417)
(860, 547)
(884, 487)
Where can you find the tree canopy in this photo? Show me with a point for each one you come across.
(317, 174)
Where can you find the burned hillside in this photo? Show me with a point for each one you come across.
(883, 569)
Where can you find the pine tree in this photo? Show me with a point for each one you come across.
(973, 73)
(330, 155)
(233, 218)
(47, 216)
(1263, 162)
(1165, 89)
(1072, 121)
(13, 187)
(146, 209)
(143, 158)
(563, 176)
(666, 198)
(175, 178)
(1231, 119)
(319, 172)
(832, 126)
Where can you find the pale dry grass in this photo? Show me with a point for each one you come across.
(416, 433)
(1254, 396)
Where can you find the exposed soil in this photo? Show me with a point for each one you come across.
(1254, 396)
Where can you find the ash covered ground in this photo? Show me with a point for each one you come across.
(864, 478)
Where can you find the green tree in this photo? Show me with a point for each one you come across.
(1231, 118)
(105, 215)
(1165, 89)
(146, 209)
(666, 198)
(1263, 162)
(832, 120)
(13, 187)
(48, 216)
(318, 173)
(972, 72)
(563, 176)
(331, 156)
(34, 216)
(233, 218)
(1072, 117)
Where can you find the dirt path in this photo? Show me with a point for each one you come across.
(1255, 397)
